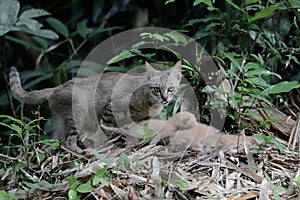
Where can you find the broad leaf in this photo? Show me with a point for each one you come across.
(294, 3)
(260, 72)
(45, 33)
(96, 180)
(41, 42)
(5, 29)
(72, 194)
(261, 138)
(83, 30)
(85, 188)
(29, 23)
(101, 172)
(284, 86)
(32, 13)
(58, 26)
(257, 81)
(268, 11)
(252, 65)
(177, 37)
(9, 10)
(73, 183)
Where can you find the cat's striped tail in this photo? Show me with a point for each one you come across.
(112, 129)
(31, 97)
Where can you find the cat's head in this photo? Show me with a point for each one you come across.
(163, 85)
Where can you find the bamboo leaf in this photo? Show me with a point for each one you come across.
(268, 11)
(124, 55)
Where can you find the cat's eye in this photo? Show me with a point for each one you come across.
(156, 89)
(171, 89)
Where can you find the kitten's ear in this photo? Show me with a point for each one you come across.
(149, 68)
(176, 70)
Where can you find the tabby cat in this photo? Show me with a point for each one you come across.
(79, 104)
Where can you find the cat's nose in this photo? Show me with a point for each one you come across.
(164, 100)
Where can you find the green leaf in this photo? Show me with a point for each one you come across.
(260, 72)
(84, 188)
(4, 195)
(5, 29)
(124, 163)
(206, 2)
(159, 37)
(257, 81)
(41, 42)
(9, 10)
(276, 143)
(297, 180)
(169, 1)
(235, 6)
(18, 41)
(58, 26)
(6, 125)
(261, 97)
(96, 180)
(12, 119)
(45, 33)
(147, 133)
(248, 2)
(177, 37)
(16, 128)
(104, 181)
(182, 185)
(284, 86)
(252, 65)
(235, 62)
(83, 30)
(72, 194)
(32, 13)
(30, 23)
(73, 183)
(101, 172)
(294, 3)
(261, 139)
(122, 56)
(268, 11)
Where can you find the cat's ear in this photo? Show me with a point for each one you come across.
(150, 71)
(176, 70)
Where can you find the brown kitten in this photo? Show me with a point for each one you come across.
(184, 132)
(162, 128)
